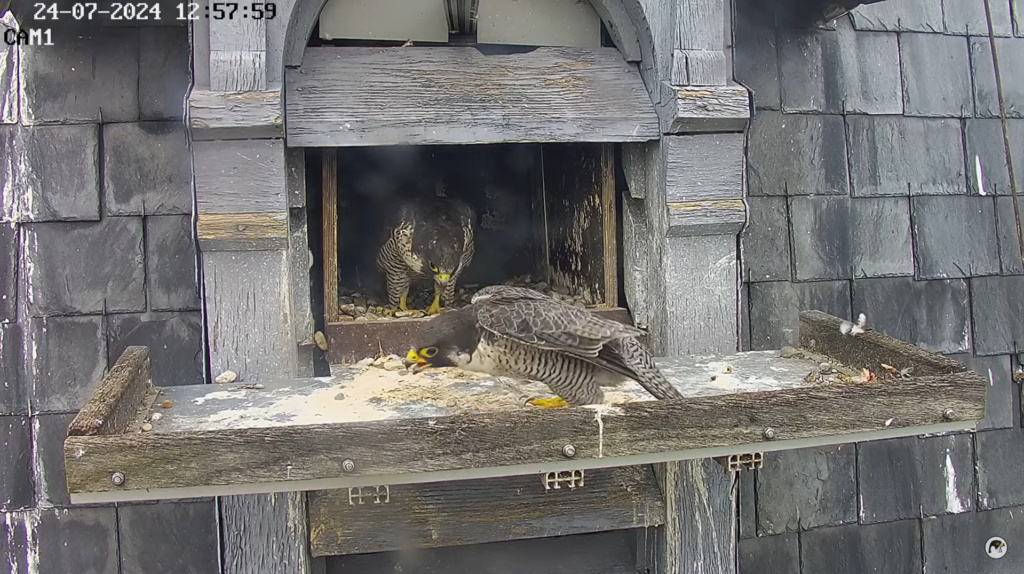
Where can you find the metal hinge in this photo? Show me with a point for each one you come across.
(738, 462)
(378, 494)
(572, 479)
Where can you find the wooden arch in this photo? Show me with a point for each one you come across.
(625, 20)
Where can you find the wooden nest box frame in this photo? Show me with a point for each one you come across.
(642, 84)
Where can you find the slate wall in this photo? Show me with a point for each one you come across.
(96, 254)
(877, 184)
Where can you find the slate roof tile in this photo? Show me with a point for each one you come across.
(895, 155)
(899, 16)
(967, 17)
(796, 154)
(165, 69)
(770, 554)
(48, 434)
(840, 71)
(807, 488)
(147, 169)
(1009, 242)
(79, 540)
(910, 477)
(174, 340)
(936, 75)
(986, 155)
(956, 542)
(1000, 466)
(955, 236)
(997, 305)
(775, 307)
(87, 77)
(930, 314)
(171, 263)
(79, 268)
(821, 237)
(169, 537)
(9, 248)
(13, 394)
(65, 361)
(16, 489)
(1011, 60)
(765, 240)
(880, 237)
(755, 58)
(890, 547)
(1002, 397)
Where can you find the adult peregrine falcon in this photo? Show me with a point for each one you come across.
(523, 334)
(427, 238)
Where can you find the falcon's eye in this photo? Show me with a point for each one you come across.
(428, 352)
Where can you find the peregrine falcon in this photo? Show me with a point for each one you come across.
(523, 334)
(428, 238)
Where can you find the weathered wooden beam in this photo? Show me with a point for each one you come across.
(240, 176)
(704, 167)
(235, 115)
(821, 331)
(478, 511)
(699, 55)
(116, 402)
(353, 341)
(348, 97)
(703, 109)
(700, 527)
(713, 217)
(238, 52)
(329, 237)
(242, 231)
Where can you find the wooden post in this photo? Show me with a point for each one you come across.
(329, 191)
(244, 193)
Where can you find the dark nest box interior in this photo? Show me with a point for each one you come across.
(546, 218)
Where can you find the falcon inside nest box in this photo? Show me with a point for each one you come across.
(410, 230)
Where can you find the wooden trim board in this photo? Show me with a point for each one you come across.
(227, 439)
(479, 511)
(459, 95)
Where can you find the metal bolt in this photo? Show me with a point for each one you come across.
(569, 451)
(769, 433)
(347, 465)
(117, 479)
(949, 414)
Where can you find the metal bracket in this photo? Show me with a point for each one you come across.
(572, 479)
(738, 462)
(359, 494)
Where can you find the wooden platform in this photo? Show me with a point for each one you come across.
(367, 426)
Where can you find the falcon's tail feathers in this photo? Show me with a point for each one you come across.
(647, 373)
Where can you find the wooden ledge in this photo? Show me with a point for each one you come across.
(703, 109)
(352, 341)
(374, 426)
(235, 115)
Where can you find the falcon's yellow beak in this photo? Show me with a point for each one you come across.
(443, 278)
(415, 357)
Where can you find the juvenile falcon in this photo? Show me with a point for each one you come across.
(427, 238)
(523, 334)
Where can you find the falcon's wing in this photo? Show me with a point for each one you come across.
(548, 324)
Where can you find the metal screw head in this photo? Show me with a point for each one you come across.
(347, 465)
(949, 414)
(769, 433)
(569, 451)
(117, 479)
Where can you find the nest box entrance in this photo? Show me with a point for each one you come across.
(545, 217)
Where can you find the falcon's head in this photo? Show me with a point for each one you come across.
(441, 257)
(447, 340)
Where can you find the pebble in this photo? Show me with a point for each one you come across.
(788, 352)
(146, 427)
(824, 368)
(320, 340)
(393, 366)
(364, 363)
(339, 397)
(167, 404)
(359, 307)
(156, 416)
(226, 377)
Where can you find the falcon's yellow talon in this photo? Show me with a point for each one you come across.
(402, 303)
(552, 403)
(435, 307)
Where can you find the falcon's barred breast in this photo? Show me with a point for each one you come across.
(523, 334)
(427, 238)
